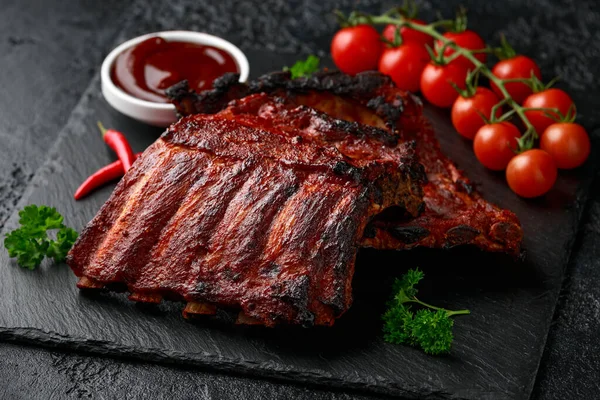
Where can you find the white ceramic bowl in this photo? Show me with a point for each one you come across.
(160, 114)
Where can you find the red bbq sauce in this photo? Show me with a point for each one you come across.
(148, 68)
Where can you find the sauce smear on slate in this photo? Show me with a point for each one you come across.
(150, 67)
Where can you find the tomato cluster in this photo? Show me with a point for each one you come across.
(478, 113)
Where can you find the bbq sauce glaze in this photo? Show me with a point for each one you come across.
(148, 68)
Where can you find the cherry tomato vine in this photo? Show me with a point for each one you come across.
(449, 78)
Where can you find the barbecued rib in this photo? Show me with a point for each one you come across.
(455, 213)
(249, 212)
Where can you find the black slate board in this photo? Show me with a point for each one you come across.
(497, 348)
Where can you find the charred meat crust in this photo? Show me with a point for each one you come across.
(225, 89)
(365, 87)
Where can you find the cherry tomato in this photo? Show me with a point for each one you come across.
(515, 68)
(404, 64)
(549, 98)
(531, 173)
(494, 144)
(408, 34)
(466, 111)
(435, 83)
(356, 49)
(568, 144)
(468, 40)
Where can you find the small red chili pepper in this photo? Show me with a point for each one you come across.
(104, 175)
(117, 141)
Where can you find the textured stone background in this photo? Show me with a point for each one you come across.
(49, 50)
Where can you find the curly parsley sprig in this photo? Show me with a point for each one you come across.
(429, 328)
(30, 243)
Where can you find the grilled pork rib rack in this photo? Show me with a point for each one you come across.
(258, 198)
(254, 212)
(455, 213)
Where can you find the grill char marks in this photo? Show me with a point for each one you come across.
(302, 236)
(454, 213)
(248, 211)
(190, 231)
(374, 91)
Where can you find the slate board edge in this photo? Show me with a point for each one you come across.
(246, 368)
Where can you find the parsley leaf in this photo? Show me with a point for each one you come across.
(304, 67)
(433, 331)
(430, 328)
(64, 241)
(30, 243)
(29, 251)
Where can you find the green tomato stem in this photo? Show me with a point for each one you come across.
(530, 134)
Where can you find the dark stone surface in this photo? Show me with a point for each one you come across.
(571, 364)
(49, 51)
(555, 34)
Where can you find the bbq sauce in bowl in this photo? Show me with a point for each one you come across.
(148, 68)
